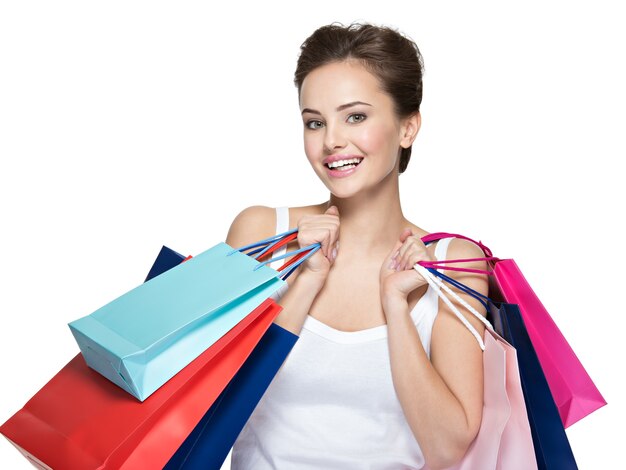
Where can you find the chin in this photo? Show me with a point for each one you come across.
(345, 191)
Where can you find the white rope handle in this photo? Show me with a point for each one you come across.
(437, 284)
(462, 301)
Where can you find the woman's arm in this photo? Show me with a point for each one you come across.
(255, 223)
(442, 398)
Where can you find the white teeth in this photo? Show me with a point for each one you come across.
(338, 163)
(348, 167)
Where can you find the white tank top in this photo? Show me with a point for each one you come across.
(332, 405)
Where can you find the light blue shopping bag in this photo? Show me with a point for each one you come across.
(143, 338)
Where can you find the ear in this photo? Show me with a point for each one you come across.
(410, 128)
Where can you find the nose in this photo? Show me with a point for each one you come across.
(333, 138)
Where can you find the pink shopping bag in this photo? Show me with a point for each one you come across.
(573, 391)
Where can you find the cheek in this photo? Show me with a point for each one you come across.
(311, 148)
(375, 139)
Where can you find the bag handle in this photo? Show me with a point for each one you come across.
(434, 266)
(441, 264)
(437, 285)
(267, 246)
(433, 237)
(483, 299)
(304, 254)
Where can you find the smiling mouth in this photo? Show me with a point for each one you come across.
(342, 165)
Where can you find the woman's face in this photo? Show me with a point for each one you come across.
(350, 125)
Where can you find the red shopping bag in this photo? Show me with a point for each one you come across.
(81, 420)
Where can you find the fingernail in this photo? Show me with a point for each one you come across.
(392, 264)
(334, 254)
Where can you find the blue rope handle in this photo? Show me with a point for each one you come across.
(265, 244)
(483, 299)
(311, 251)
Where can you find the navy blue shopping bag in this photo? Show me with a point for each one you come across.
(552, 448)
(166, 259)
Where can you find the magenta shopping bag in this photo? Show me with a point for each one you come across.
(574, 393)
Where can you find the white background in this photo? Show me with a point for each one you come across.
(128, 125)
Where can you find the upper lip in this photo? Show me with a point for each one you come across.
(334, 158)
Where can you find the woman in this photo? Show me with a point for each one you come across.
(383, 375)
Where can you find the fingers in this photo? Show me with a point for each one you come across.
(410, 252)
(406, 233)
(332, 210)
(390, 262)
(333, 241)
(322, 229)
(397, 275)
(406, 245)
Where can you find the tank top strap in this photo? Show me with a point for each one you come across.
(426, 310)
(282, 225)
(282, 219)
(441, 249)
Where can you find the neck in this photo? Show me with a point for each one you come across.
(371, 222)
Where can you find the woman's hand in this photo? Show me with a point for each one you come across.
(322, 229)
(397, 276)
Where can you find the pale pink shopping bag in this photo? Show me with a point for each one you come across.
(504, 440)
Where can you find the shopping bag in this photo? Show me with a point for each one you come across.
(504, 440)
(207, 446)
(575, 394)
(144, 337)
(81, 420)
(552, 448)
(165, 260)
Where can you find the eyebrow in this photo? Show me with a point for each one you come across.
(339, 108)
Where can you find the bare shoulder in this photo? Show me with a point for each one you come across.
(258, 222)
(252, 224)
(463, 249)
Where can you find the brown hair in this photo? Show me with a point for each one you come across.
(390, 56)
